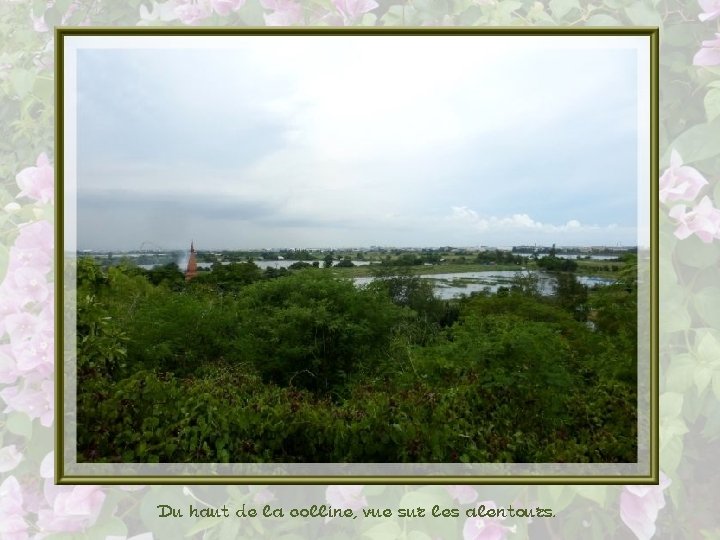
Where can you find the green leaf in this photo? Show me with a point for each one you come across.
(252, 14)
(670, 452)
(674, 316)
(716, 385)
(43, 89)
(374, 491)
(594, 493)
(63, 5)
(559, 496)
(712, 104)
(700, 142)
(560, 8)
(109, 527)
(702, 376)
(707, 305)
(425, 497)
(470, 16)
(20, 424)
(671, 404)
(433, 8)
(38, 7)
(643, 15)
(711, 429)
(678, 375)
(602, 20)
(387, 530)
(204, 524)
(418, 535)
(679, 35)
(164, 528)
(507, 7)
(668, 277)
(707, 346)
(22, 81)
(53, 16)
(694, 252)
(692, 407)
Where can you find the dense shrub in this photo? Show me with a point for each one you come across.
(306, 367)
(311, 330)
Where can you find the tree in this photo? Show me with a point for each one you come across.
(556, 264)
(328, 260)
(571, 295)
(345, 263)
(169, 274)
(525, 284)
(406, 289)
(312, 330)
(299, 265)
(229, 277)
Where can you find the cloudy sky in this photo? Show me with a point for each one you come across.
(354, 141)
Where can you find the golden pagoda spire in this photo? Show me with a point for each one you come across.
(191, 270)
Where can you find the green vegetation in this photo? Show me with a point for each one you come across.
(300, 365)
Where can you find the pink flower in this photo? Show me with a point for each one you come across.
(12, 523)
(9, 371)
(9, 458)
(34, 398)
(39, 24)
(22, 326)
(711, 10)
(47, 466)
(639, 507)
(709, 55)
(72, 8)
(680, 182)
(37, 182)
(193, 12)
(284, 12)
(352, 9)
(11, 303)
(35, 354)
(30, 258)
(36, 235)
(703, 221)
(30, 284)
(462, 494)
(263, 496)
(224, 7)
(72, 509)
(131, 488)
(160, 12)
(478, 528)
(346, 497)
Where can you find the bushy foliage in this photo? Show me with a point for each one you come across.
(307, 367)
(229, 278)
(556, 264)
(311, 330)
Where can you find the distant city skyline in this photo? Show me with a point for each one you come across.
(279, 249)
(298, 141)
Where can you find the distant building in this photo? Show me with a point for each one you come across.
(191, 270)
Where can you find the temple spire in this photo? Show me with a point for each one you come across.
(191, 270)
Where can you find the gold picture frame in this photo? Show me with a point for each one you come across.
(64, 476)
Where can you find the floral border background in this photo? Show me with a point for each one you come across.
(685, 503)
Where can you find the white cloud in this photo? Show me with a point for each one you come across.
(467, 217)
(387, 132)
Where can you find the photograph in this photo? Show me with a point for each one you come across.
(339, 248)
(383, 269)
